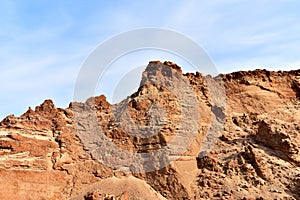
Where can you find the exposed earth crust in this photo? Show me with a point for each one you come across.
(240, 133)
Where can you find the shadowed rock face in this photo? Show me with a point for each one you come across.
(180, 136)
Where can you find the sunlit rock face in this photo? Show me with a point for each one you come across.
(180, 136)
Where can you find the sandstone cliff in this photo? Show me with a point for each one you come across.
(180, 136)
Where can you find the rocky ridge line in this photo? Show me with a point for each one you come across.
(256, 155)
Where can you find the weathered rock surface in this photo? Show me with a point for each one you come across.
(180, 136)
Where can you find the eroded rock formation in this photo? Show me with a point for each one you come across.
(180, 136)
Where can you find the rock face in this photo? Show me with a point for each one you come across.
(180, 136)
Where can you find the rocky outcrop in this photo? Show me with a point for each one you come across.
(180, 136)
(273, 135)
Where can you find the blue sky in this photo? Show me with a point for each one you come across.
(44, 43)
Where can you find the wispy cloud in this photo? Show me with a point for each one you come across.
(240, 30)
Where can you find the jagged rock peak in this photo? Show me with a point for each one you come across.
(46, 106)
(10, 119)
(166, 63)
(157, 72)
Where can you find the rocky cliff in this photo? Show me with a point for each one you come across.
(180, 136)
